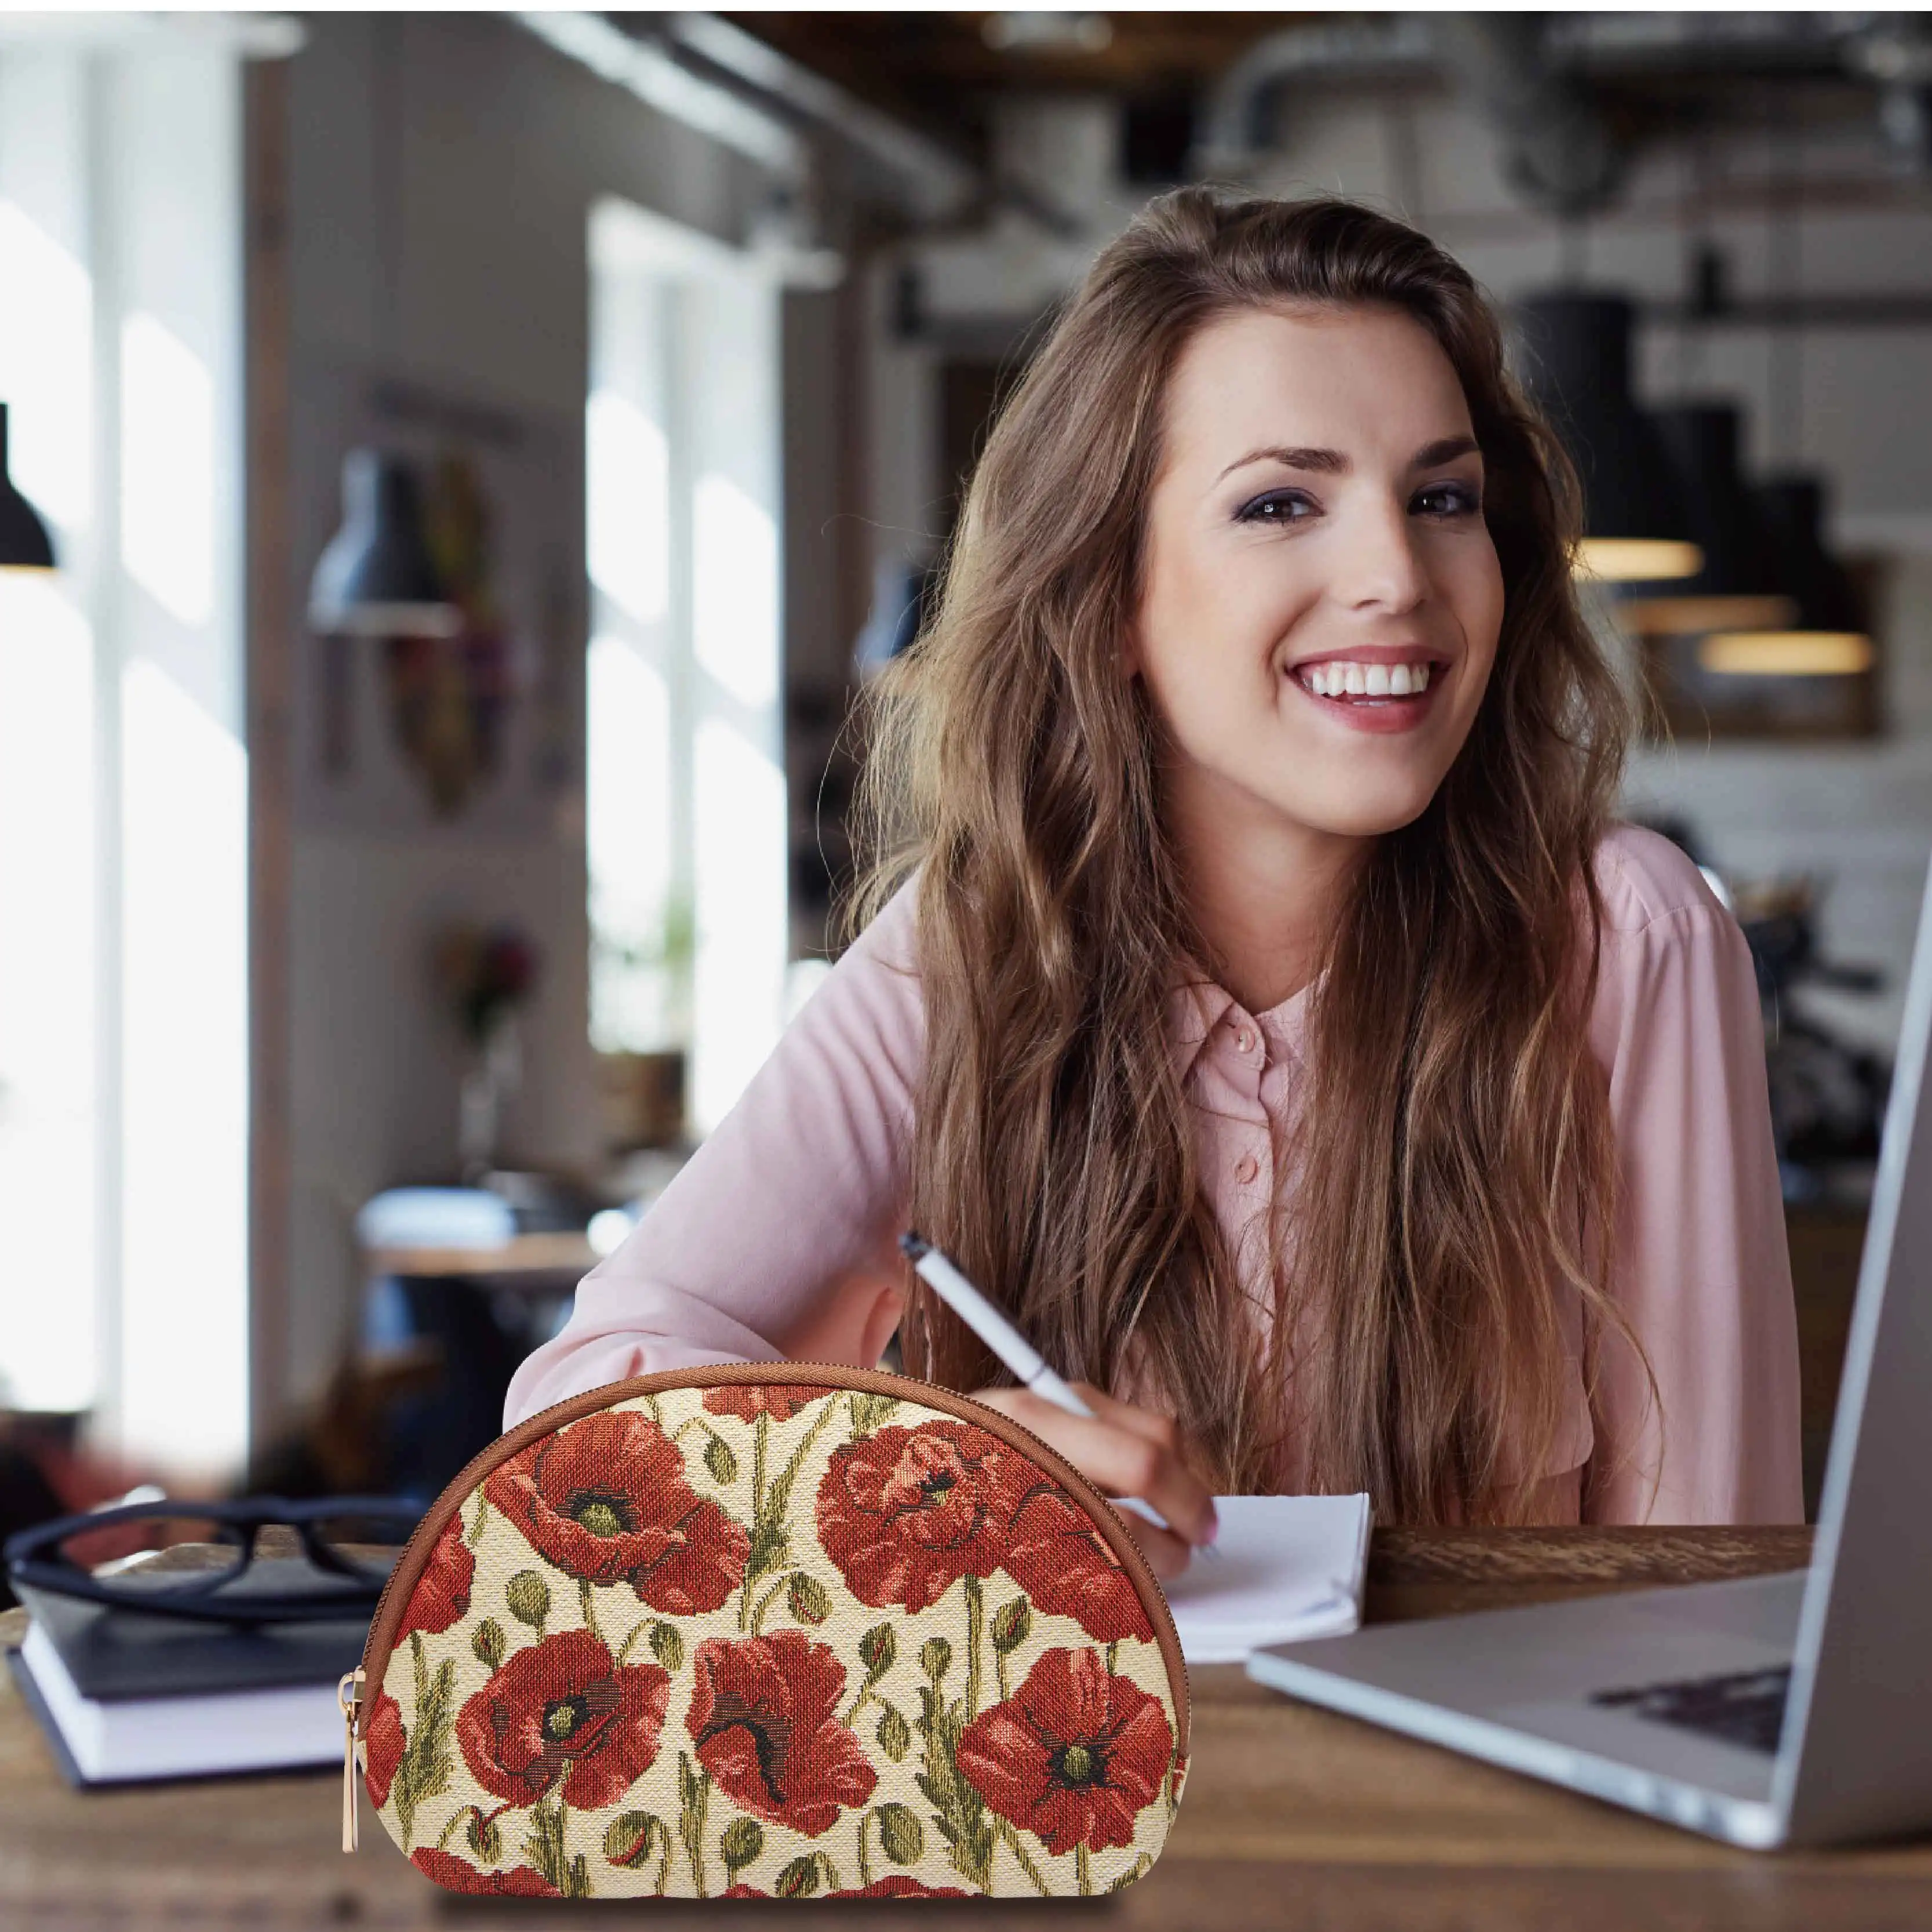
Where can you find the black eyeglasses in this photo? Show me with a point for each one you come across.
(223, 1582)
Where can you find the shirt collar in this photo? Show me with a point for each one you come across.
(1196, 1007)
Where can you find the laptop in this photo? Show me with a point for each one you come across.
(1784, 1710)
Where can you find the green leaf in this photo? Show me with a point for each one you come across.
(879, 1650)
(1011, 1624)
(667, 1646)
(687, 1782)
(1135, 1871)
(869, 1410)
(807, 1598)
(485, 1836)
(744, 1839)
(902, 1834)
(720, 1461)
(800, 1879)
(770, 1546)
(895, 1735)
(576, 1878)
(528, 1596)
(488, 1642)
(627, 1839)
(935, 1657)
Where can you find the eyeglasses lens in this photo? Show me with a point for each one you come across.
(367, 1544)
(164, 1551)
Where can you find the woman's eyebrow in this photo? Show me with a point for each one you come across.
(1332, 462)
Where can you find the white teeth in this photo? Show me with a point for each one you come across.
(1341, 678)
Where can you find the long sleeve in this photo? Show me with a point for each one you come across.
(1700, 1270)
(776, 1241)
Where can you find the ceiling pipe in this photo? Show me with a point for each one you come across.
(1557, 150)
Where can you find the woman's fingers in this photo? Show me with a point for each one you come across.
(1124, 1452)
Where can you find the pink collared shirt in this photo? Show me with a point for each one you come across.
(776, 1242)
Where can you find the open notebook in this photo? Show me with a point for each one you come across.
(1283, 1568)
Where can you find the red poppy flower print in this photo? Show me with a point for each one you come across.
(1064, 1564)
(606, 1500)
(748, 1401)
(441, 1597)
(1074, 1755)
(898, 1885)
(382, 1744)
(764, 1716)
(906, 1513)
(564, 1709)
(454, 1874)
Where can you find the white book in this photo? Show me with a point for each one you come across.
(1283, 1569)
(108, 1740)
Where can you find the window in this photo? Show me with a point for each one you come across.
(123, 776)
(686, 825)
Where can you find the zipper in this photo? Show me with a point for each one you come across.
(415, 1553)
(354, 1751)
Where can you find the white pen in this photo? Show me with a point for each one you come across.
(1006, 1341)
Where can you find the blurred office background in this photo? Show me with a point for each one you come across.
(480, 456)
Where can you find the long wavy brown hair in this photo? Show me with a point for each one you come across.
(1457, 1173)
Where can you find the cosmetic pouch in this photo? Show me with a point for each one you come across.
(771, 1630)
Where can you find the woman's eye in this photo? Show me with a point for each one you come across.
(1449, 499)
(1278, 506)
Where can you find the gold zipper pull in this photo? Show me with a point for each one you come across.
(349, 1695)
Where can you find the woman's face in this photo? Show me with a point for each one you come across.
(1321, 598)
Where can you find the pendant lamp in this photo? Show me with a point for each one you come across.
(1826, 637)
(24, 542)
(1577, 365)
(1736, 589)
(377, 579)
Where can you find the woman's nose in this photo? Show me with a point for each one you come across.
(1380, 566)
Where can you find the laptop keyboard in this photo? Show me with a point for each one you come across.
(1745, 1708)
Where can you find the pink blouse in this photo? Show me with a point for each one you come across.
(777, 1241)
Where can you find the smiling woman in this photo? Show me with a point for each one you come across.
(1254, 991)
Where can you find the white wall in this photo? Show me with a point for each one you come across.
(466, 154)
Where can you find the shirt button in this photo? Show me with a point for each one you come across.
(1245, 1169)
(1245, 1039)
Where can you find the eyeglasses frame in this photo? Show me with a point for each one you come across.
(247, 1516)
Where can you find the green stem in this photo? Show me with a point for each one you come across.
(584, 1597)
(1083, 1867)
(858, 1703)
(455, 1819)
(798, 1455)
(864, 1866)
(1113, 1656)
(482, 1516)
(975, 1627)
(761, 1432)
(764, 1604)
(1000, 1671)
(1026, 1865)
(664, 1857)
(637, 1630)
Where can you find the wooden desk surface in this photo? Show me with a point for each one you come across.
(1294, 1817)
(565, 1254)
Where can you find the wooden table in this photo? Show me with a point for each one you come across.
(1294, 1817)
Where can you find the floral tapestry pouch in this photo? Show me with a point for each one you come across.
(769, 1629)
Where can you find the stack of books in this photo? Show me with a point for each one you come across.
(126, 1696)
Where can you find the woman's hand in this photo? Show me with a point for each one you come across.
(1124, 1451)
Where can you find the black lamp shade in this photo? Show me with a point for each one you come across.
(24, 542)
(377, 579)
(1738, 588)
(1577, 365)
(1815, 581)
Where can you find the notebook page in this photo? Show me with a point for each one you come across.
(1283, 1568)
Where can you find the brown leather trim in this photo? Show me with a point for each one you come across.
(409, 1565)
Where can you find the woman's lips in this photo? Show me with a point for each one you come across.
(1378, 714)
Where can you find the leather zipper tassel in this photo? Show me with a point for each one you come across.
(349, 1695)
